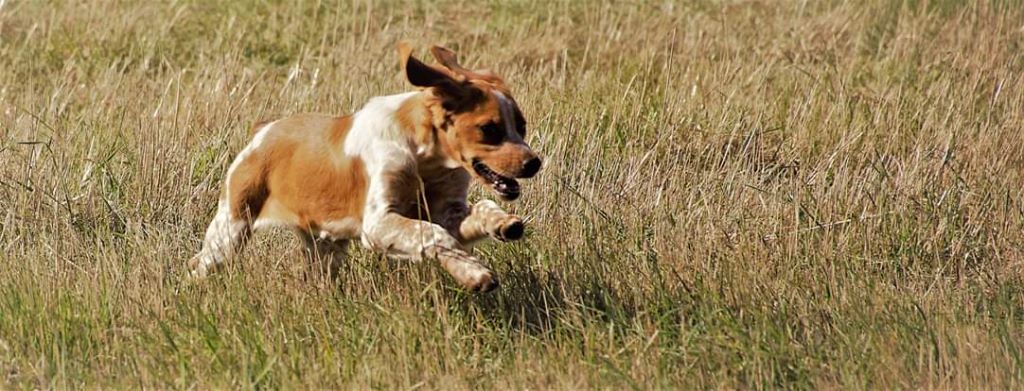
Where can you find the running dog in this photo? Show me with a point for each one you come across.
(395, 175)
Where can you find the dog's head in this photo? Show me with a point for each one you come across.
(482, 128)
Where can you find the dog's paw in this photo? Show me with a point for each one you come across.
(513, 229)
(483, 283)
(199, 268)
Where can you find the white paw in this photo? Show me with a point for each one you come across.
(483, 281)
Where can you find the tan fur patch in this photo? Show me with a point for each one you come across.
(300, 174)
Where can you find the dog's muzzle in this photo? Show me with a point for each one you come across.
(507, 188)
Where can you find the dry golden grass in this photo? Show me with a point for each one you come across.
(739, 194)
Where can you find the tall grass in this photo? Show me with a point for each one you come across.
(737, 195)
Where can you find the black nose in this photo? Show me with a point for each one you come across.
(530, 168)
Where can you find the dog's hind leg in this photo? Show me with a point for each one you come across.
(225, 236)
(245, 194)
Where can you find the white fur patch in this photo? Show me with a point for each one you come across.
(376, 138)
(375, 123)
(340, 229)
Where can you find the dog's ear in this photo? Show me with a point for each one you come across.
(450, 86)
(420, 74)
(447, 58)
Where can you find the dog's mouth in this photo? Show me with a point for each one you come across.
(507, 188)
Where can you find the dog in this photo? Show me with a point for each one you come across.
(394, 175)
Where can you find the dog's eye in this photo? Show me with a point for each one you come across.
(493, 134)
(490, 128)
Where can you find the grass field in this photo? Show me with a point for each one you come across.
(738, 194)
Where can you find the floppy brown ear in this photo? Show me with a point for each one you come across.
(420, 74)
(451, 87)
(447, 58)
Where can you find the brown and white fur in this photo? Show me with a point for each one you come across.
(395, 175)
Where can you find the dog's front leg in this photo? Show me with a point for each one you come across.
(403, 237)
(485, 219)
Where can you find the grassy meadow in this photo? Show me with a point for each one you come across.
(737, 194)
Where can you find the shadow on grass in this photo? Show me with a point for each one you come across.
(538, 302)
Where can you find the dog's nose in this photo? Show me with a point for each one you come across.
(530, 168)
